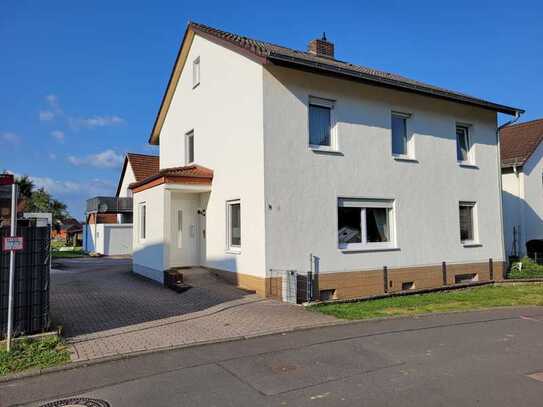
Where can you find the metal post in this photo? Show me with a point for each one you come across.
(13, 233)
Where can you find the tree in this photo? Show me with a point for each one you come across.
(26, 186)
(39, 200)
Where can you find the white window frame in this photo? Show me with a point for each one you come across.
(410, 140)
(475, 229)
(363, 204)
(142, 221)
(188, 135)
(231, 248)
(330, 104)
(196, 72)
(471, 155)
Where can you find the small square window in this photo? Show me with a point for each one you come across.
(463, 144)
(234, 225)
(196, 72)
(467, 222)
(189, 147)
(400, 138)
(365, 223)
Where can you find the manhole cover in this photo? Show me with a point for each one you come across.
(77, 402)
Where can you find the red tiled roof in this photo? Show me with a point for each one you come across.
(143, 165)
(519, 141)
(189, 173)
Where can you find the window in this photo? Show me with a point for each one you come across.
(463, 146)
(234, 225)
(142, 220)
(467, 221)
(196, 72)
(179, 229)
(320, 123)
(400, 139)
(189, 147)
(365, 223)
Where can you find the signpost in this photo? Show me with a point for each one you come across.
(11, 244)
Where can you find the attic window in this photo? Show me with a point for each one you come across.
(196, 72)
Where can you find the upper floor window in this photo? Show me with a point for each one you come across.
(189, 147)
(400, 138)
(196, 72)
(321, 123)
(463, 144)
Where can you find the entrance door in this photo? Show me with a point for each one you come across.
(185, 242)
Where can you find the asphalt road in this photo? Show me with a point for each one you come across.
(464, 359)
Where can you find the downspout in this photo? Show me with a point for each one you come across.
(500, 187)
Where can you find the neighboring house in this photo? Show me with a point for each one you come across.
(269, 156)
(109, 219)
(522, 182)
(69, 230)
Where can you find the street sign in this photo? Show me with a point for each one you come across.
(7, 179)
(12, 243)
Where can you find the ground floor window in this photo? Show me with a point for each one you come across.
(365, 223)
(233, 212)
(142, 220)
(467, 222)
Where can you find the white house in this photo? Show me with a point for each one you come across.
(270, 155)
(522, 178)
(108, 228)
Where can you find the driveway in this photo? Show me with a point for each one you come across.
(106, 310)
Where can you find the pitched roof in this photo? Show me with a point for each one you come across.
(189, 174)
(519, 141)
(142, 165)
(266, 52)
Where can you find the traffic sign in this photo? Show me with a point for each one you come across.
(14, 243)
(7, 179)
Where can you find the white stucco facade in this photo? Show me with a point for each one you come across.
(250, 125)
(523, 203)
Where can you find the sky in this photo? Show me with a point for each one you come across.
(81, 81)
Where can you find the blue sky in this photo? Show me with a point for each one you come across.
(81, 81)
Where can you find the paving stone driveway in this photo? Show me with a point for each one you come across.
(105, 310)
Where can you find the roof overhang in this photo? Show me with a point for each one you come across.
(180, 183)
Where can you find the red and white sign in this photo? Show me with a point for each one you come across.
(12, 243)
(7, 179)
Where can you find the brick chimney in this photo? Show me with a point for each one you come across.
(321, 47)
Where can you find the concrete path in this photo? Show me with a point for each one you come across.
(107, 310)
(487, 358)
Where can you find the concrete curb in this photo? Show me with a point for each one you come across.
(84, 363)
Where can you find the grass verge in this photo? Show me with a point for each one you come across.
(444, 301)
(530, 269)
(36, 353)
(68, 254)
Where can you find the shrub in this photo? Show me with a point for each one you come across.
(530, 269)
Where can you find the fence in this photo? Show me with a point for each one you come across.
(31, 284)
(293, 286)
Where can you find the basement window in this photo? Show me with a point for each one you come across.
(365, 224)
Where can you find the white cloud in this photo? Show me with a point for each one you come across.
(58, 135)
(105, 159)
(46, 115)
(96, 121)
(52, 156)
(9, 138)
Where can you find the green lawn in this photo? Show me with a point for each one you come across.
(445, 301)
(530, 269)
(38, 353)
(78, 252)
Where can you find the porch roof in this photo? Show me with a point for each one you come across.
(190, 174)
